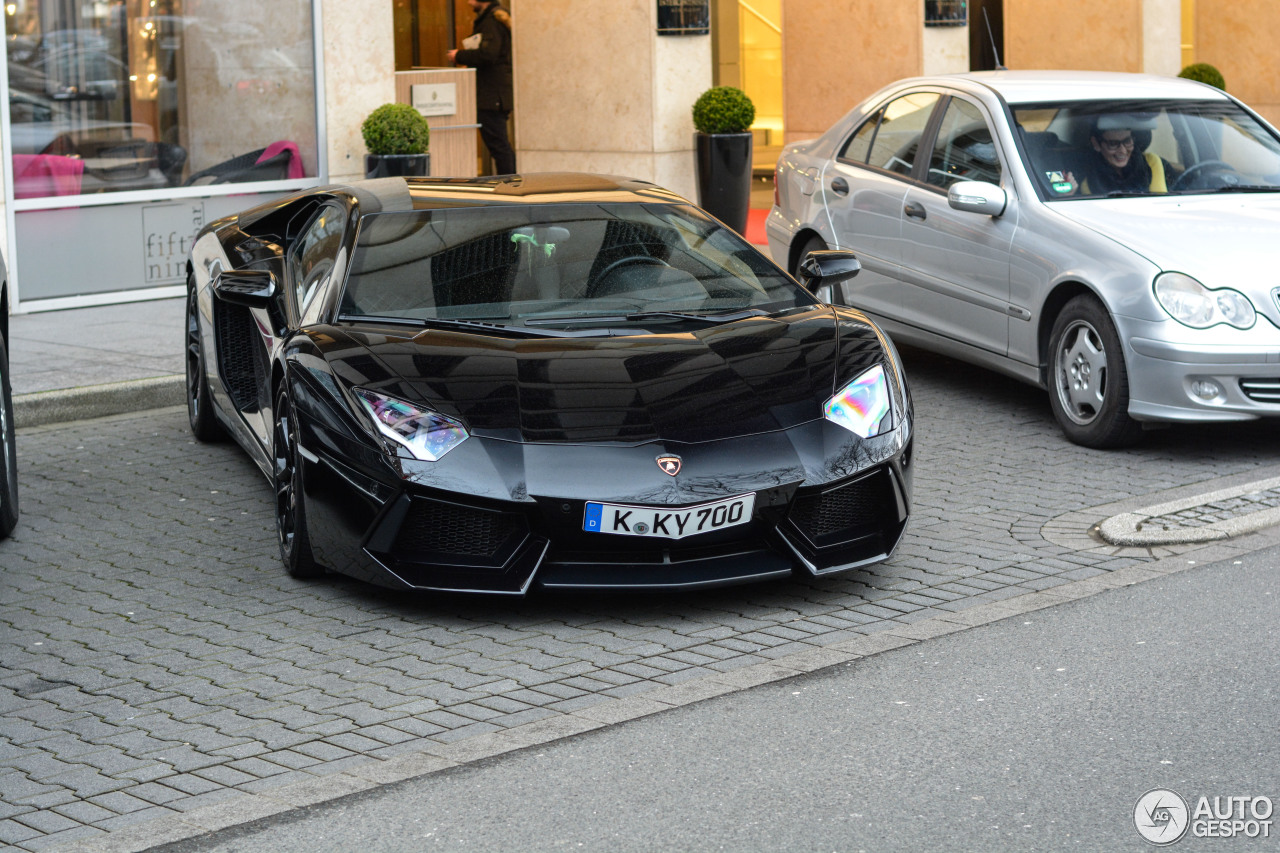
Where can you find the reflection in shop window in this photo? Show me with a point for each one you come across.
(946, 13)
(117, 95)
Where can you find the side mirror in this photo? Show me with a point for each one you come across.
(977, 197)
(826, 267)
(250, 288)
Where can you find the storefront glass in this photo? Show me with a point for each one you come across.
(123, 95)
(132, 123)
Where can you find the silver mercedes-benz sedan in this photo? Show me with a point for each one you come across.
(1114, 238)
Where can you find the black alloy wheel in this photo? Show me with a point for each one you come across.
(291, 519)
(204, 424)
(8, 450)
(1088, 382)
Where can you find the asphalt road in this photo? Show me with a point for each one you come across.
(1034, 733)
(161, 676)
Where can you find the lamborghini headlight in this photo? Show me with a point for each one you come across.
(427, 435)
(1192, 304)
(863, 405)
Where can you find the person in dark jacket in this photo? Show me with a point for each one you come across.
(491, 58)
(1119, 161)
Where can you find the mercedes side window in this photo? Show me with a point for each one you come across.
(859, 145)
(898, 139)
(965, 149)
(312, 259)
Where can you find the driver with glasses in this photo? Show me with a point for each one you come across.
(1119, 161)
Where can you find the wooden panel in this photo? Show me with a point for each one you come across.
(453, 138)
(440, 24)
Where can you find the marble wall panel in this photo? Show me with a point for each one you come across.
(675, 170)
(681, 72)
(584, 72)
(1239, 38)
(945, 50)
(837, 52)
(359, 62)
(1162, 37)
(1089, 35)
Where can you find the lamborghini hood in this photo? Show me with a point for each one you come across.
(742, 378)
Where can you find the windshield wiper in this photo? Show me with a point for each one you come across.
(477, 326)
(1245, 188)
(641, 316)
(724, 317)
(1131, 194)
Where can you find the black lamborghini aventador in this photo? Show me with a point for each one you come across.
(560, 380)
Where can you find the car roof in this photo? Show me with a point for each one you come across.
(1033, 86)
(404, 194)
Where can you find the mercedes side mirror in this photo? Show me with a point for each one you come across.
(977, 197)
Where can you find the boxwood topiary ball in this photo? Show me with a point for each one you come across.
(1204, 73)
(396, 129)
(723, 109)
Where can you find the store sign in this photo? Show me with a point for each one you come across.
(684, 17)
(435, 99)
(72, 252)
(168, 230)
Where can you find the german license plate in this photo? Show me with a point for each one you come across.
(667, 523)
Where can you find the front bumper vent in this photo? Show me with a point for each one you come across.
(448, 532)
(1261, 390)
(847, 510)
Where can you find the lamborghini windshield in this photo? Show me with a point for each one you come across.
(1092, 149)
(546, 265)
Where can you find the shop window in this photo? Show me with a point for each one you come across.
(946, 13)
(133, 95)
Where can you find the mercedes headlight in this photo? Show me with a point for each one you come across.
(863, 405)
(1192, 304)
(427, 435)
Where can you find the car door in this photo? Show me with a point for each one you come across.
(864, 188)
(955, 264)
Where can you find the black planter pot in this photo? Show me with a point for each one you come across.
(396, 165)
(724, 176)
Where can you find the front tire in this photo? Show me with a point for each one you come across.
(291, 517)
(8, 450)
(204, 423)
(1088, 382)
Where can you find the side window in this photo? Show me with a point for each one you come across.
(898, 139)
(965, 150)
(859, 145)
(312, 258)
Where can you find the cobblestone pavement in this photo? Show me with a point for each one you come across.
(158, 663)
(1220, 510)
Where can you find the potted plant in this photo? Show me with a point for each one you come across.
(397, 136)
(1204, 73)
(722, 116)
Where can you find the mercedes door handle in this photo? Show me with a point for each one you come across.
(840, 186)
(915, 210)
